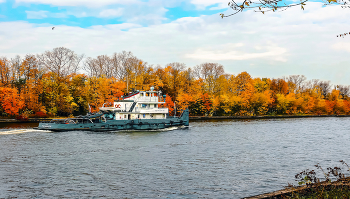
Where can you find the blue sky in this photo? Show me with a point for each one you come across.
(276, 44)
(85, 15)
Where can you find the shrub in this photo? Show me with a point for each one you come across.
(40, 115)
(22, 118)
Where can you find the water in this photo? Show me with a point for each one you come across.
(211, 159)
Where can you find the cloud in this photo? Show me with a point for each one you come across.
(145, 13)
(202, 4)
(228, 53)
(111, 13)
(270, 45)
(342, 46)
(85, 3)
(36, 14)
(44, 14)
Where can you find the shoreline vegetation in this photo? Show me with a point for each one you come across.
(334, 185)
(61, 83)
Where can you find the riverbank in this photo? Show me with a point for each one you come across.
(336, 188)
(30, 120)
(194, 118)
(261, 117)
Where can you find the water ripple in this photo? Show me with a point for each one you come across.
(211, 159)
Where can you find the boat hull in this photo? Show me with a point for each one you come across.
(116, 125)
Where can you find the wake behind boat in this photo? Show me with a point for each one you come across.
(138, 111)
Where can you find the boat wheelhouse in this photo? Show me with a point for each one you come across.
(138, 105)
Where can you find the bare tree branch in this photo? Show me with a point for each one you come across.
(274, 5)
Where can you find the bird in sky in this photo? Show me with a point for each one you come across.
(53, 28)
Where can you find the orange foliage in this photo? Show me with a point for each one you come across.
(169, 104)
(205, 89)
(279, 86)
(10, 101)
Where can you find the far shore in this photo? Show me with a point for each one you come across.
(260, 117)
(194, 118)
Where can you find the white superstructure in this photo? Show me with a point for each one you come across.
(138, 105)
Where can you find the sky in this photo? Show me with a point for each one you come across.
(273, 45)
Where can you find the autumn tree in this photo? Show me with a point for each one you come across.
(79, 91)
(279, 86)
(324, 87)
(295, 82)
(16, 64)
(173, 77)
(210, 72)
(344, 90)
(100, 66)
(5, 72)
(27, 85)
(31, 75)
(10, 101)
(61, 61)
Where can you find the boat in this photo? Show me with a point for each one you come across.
(139, 110)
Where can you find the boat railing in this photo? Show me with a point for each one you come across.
(148, 99)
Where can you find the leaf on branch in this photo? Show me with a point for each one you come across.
(259, 8)
(246, 3)
(262, 12)
(241, 6)
(302, 7)
(329, 1)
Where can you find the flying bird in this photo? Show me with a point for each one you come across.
(53, 28)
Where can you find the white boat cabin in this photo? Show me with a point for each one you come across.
(137, 105)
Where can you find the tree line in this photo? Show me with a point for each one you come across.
(52, 84)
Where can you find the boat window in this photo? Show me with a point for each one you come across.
(144, 105)
(155, 106)
(96, 120)
(144, 115)
(124, 116)
(109, 116)
(70, 122)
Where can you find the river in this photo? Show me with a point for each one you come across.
(210, 159)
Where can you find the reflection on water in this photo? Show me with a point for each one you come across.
(211, 159)
(4, 125)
